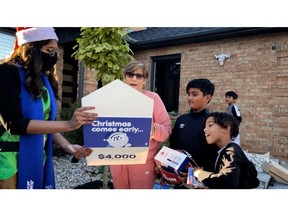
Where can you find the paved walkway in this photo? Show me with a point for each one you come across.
(269, 182)
(274, 184)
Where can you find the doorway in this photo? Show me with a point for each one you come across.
(165, 80)
(70, 73)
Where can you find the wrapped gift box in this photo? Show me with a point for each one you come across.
(174, 160)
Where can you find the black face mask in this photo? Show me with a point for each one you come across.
(48, 61)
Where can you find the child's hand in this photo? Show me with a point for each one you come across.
(197, 171)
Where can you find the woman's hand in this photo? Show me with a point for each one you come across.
(81, 117)
(153, 130)
(78, 151)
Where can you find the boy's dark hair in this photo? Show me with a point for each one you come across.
(232, 94)
(205, 86)
(225, 120)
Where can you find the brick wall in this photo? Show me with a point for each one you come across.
(257, 70)
(89, 82)
(59, 74)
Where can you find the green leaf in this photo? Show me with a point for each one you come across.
(105, 50)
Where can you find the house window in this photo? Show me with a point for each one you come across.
(165, 80)
(6, 43)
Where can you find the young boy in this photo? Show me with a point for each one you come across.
(187, 133)
(233, 170)
(233, 109)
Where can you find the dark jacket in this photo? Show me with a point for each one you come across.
(188, 134)
(10, 103)
(233, 170)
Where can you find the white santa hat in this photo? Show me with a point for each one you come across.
(35, 34)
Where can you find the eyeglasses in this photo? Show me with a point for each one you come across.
(131, 75)
(52, 53)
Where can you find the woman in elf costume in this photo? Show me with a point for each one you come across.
(28, 93)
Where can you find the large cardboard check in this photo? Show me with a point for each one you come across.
(121, 134)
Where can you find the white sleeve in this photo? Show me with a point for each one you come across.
(237, 110)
